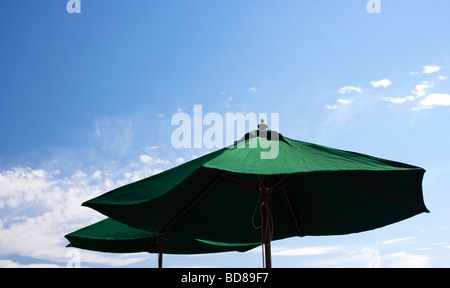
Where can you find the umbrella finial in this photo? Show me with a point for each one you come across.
(262, 126)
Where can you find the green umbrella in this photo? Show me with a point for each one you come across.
(307, 189)
(111, 236)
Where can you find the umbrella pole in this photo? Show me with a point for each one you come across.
(266, 222)
(160, 250)
(267, 250)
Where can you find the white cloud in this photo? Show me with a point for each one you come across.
(149, 160)
(42, 206)
(396, 240)
(422, 88)
(397, 100)
(97, 174)
(331, 107)
(305, 251)
(405, 260)
(383, 83)
(160, 161)
(442, 77)
(436, 99)
(252, 89)
(179, 160)
(193, 266)
(414, 73)
(340, 102)
(348, 89)
(12, 264)
(23, 185)
(344, 101)
(146, 159)
(430, 69)
(152, 147)
(342, 257)
(420, 108)
(116, 135)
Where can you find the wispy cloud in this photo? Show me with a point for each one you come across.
(145, 159)
(179, 160)
(331, 107)
(348, 89)
(344, 101)
(340, 102)
(396, 240)
(252, 89)
(48, 203)
(405, 260)
(398, 100)
(45, 204)
(193, 266)
(305, 251)
(153, 147)
(12, 264)
(421, 89)
(381, 83)
(115, 135)
(364, 257)
(420, 108)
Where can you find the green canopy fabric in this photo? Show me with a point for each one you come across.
(112, 236)
(308, 189)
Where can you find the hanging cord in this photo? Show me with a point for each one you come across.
(269, 221)
(268, 229)
(254, 212)
(258, 204)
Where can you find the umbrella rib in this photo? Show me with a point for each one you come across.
(150, 246)
(279, 182)
(301, 177)
(192, 203)
(235, 180)
(380, 190)
(261, 182)
(290, 208)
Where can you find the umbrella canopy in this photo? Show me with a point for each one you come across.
(308, 189)
(111, 236)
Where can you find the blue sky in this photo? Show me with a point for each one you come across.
(87, 101)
